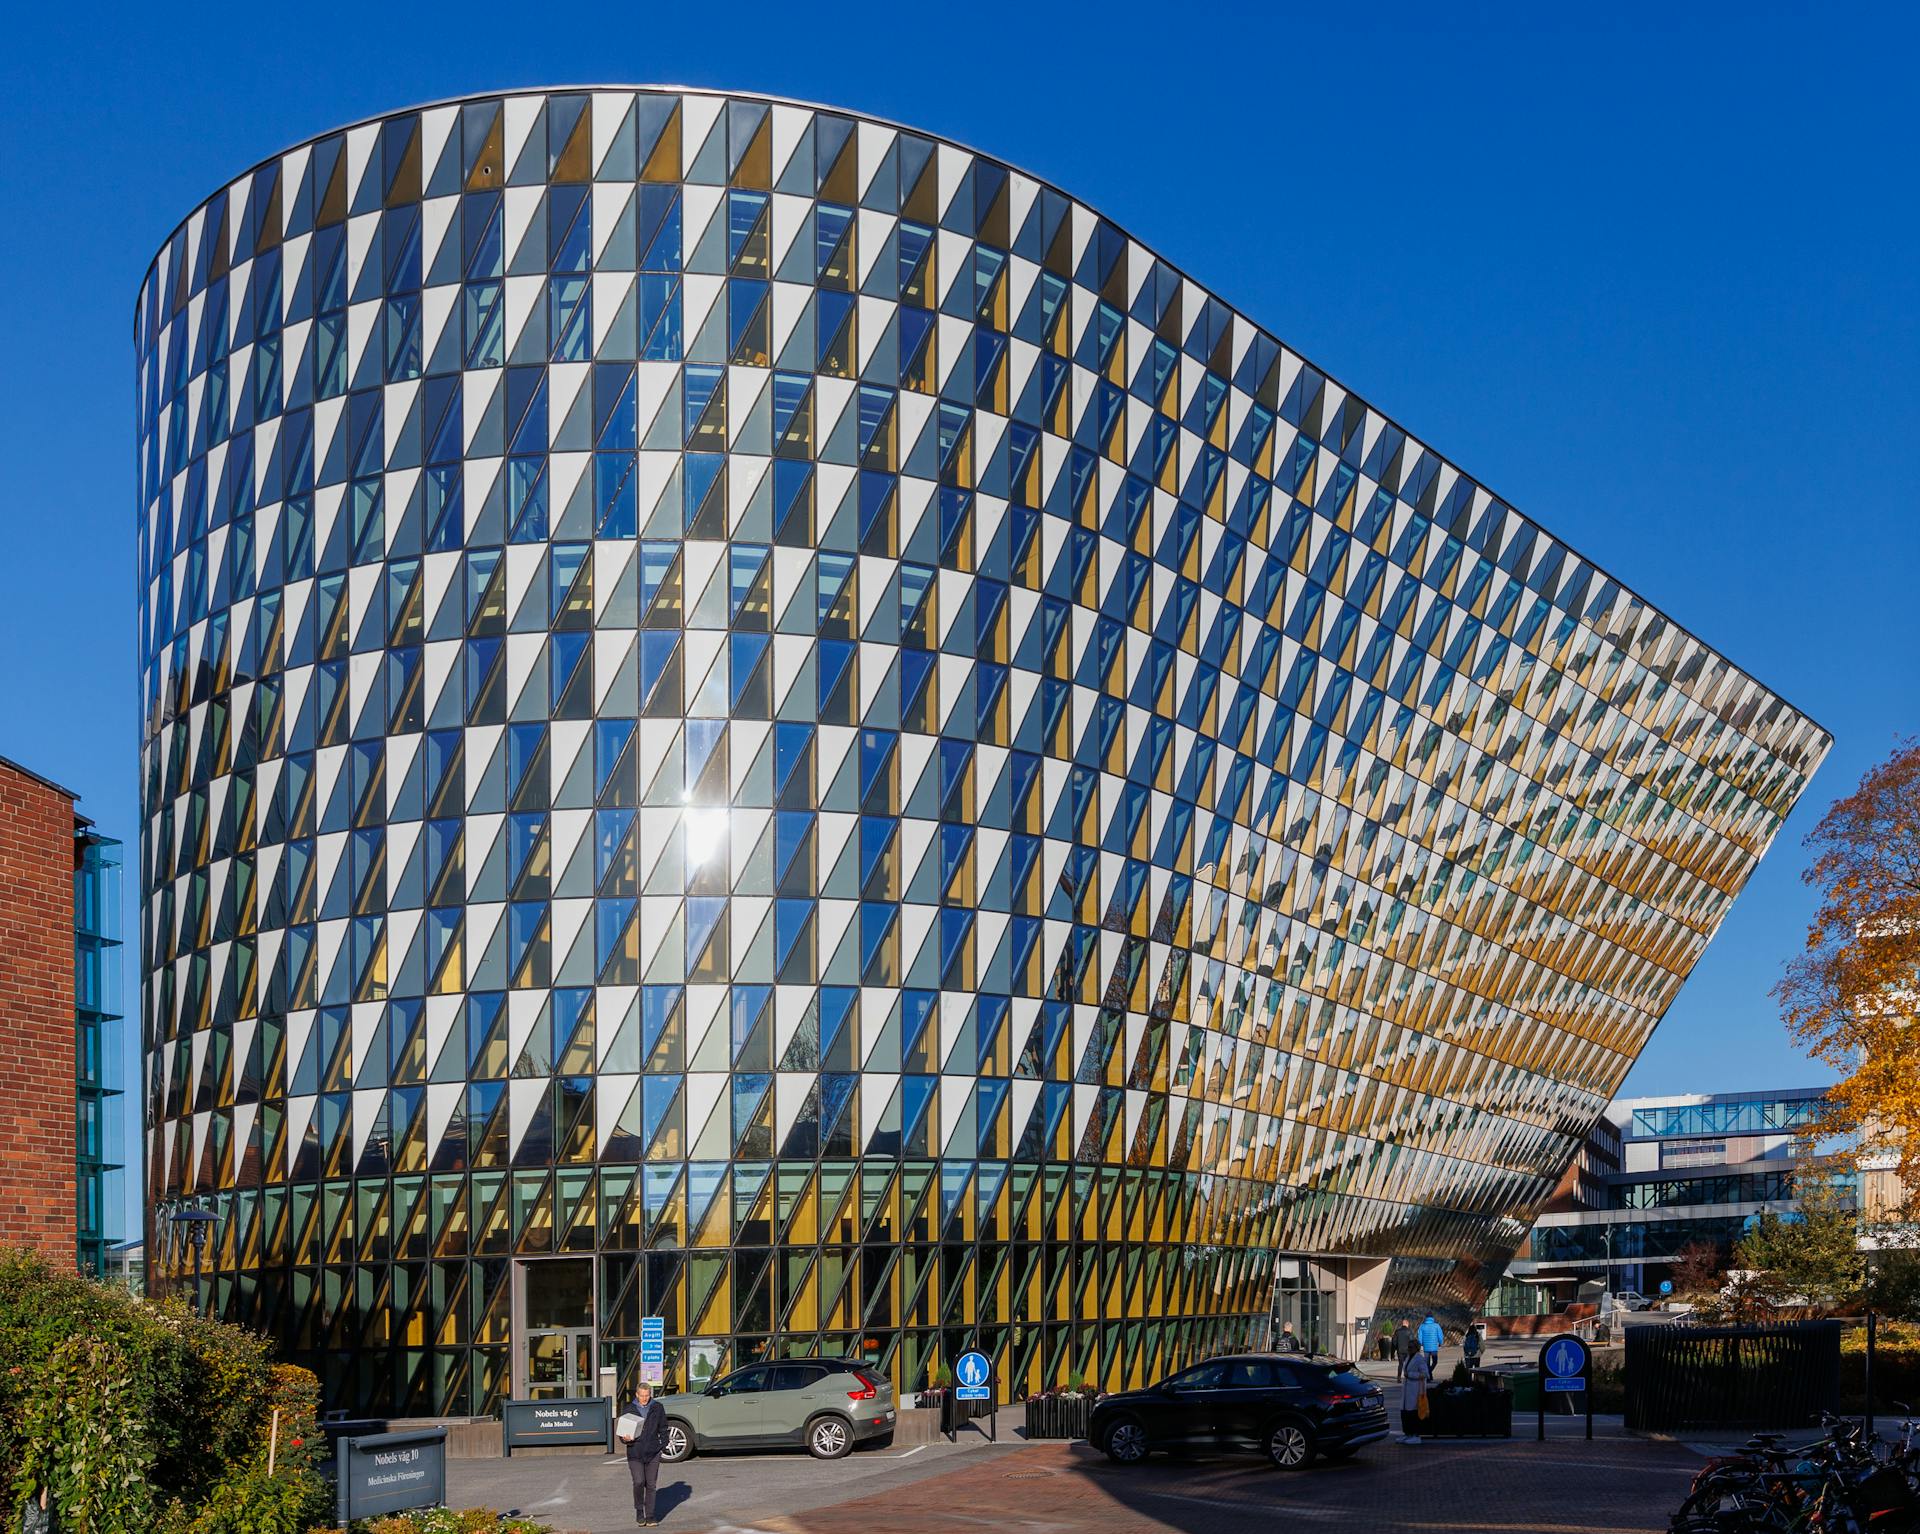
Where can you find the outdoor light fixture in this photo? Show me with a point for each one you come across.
(199, 1224)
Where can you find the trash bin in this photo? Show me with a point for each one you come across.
(1457, 1411)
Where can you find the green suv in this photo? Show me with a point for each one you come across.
(826, 1404)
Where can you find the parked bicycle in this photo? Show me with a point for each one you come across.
(1848, 1481)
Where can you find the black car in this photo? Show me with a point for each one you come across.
(1290, 1407)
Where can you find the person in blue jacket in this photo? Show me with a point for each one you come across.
(1431, 1339)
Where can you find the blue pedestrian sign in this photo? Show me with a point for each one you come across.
(1566, 1368)
(1565, 1357)
(1666, 1286)
(972, 1373)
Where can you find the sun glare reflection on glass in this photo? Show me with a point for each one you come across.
(706, 833)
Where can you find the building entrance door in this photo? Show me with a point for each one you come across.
(559, 1364)
(557, 1353)
(1298, 1297)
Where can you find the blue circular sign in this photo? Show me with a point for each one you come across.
(1666, 1286)
(1564, 1357)
(972, 1370)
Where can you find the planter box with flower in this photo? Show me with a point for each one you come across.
(934, 1396)
(1061, 1412)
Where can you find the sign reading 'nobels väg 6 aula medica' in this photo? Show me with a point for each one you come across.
(578, 1422)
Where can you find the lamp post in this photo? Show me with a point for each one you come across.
(199, 1222)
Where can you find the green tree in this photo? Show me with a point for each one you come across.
(1810, 1256)
(1893, 1282)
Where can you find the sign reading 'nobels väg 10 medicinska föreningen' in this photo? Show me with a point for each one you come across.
(390, 1473)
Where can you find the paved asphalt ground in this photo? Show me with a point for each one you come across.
(1614, 1485)
(710, 1491)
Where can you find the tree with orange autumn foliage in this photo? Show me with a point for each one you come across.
(1852, 996)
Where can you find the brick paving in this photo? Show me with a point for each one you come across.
(1615, 1485)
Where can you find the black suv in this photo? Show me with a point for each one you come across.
(1289, 1406)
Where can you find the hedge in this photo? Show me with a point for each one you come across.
(137, 1415)
(1896, 1368)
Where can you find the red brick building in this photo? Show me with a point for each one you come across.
(38, 1178)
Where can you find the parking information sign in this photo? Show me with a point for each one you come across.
(653, 1350)
(972, 1373)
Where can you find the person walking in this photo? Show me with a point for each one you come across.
(1405, 1345)
(1287, 1342)
(644, 1448)
(1470, 1346)
(1432, 1339)
(1413, 1396)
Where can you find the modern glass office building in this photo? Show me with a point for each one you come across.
(756, 718)
(97, 1007)
(60, 895)
(1685, 1170)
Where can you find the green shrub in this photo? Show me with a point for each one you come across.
(1893, 1283)
(73, 1444)
(1896, 1367)
(250, 1501)
(1609, 1380)
(142, 1416)
(295, 1394)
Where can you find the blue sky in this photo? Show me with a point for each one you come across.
(1652, 279)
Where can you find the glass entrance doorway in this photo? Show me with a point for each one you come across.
(557, 1353)
(1314, 1311)
(559, 1364)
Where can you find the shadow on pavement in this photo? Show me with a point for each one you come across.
(1511, 1486)
(1463, 1487)
(669, 1495)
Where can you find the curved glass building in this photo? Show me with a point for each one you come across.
(754, 718)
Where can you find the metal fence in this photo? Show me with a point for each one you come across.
(1732, 1376)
